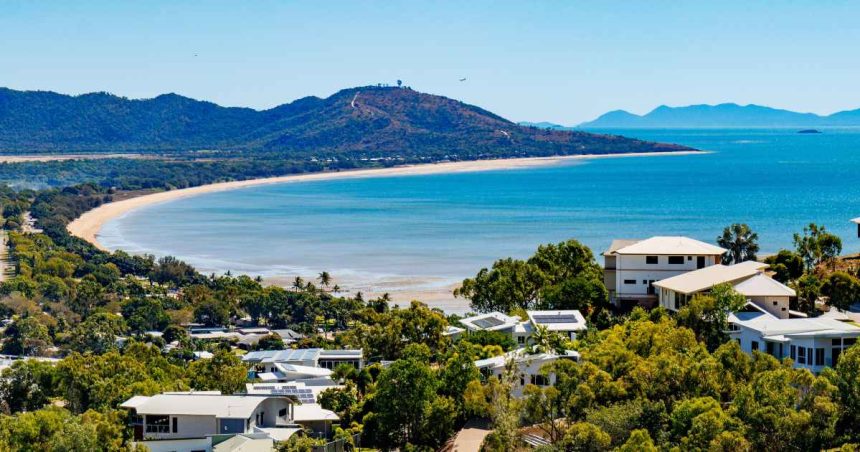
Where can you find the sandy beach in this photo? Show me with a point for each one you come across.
(88, 225)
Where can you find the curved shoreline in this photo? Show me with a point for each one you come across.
(88, 225)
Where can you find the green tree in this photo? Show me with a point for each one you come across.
(27, 385)
(98, 333)
(787, 265)
(639, 441)
(707, 315)
(27, 336)
(842, 289)
(815, 245)
(509, 284)
(403, 393)
(740, 242)
(585, 437)
(223, 372)
(808, 288)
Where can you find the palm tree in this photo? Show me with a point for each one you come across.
(324, 279)
(545, 341)
(741, 243)
(335, 289)
(298, 283)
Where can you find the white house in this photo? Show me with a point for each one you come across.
(747, 278)
(632, 266)
(565, 322)
(527, 367)
(302, 363)
(812, 343)
(188, 421)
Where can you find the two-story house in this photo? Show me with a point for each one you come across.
(747, 278)
(632, 267)
(193, 421)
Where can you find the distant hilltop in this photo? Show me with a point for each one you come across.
(363, 122)
(722, 115)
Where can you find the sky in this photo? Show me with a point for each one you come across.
(559, 61)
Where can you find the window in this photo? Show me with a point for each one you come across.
(775, 303)
(652, 260)
(676, 260)
(801, 355)
(809, 352)
(629, 281)
(689, 258)
(521, 340)
(175, 425)
(754, 345)
(793, 352)
(819, 356)
(157, 424)
(539, 380)
(282, 412)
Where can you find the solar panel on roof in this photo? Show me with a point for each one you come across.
(488, 322)
(555, 319)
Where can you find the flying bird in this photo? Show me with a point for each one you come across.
(463, 79)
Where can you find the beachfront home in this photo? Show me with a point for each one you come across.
(192, 421)
(632, 266)
(747, 278)
(812, 343)
(565, 322)
(528, 367)
(304, 363)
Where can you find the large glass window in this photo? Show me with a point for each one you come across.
(801, 355)
(819, 356)
(157, 424)
(652, 260)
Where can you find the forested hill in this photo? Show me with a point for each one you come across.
(365, 121)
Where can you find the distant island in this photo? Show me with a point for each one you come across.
(709, 116)
(813, 131)
(356, 124)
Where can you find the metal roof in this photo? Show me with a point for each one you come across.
(670, 245)
(705, 278)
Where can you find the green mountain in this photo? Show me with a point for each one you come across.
(366, 122)
(722, 115)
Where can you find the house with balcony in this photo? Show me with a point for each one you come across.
(812, 343)
(297, 364)
(564, 322)
(198, 421)
(527, 367)
(750, 279)
(631, 267)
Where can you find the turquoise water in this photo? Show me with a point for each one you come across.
(428, 231)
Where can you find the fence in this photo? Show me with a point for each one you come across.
(341, 445)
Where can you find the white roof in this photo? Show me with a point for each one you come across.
(452, 330)
(856, 220)
(670, 245)
(197, 404)
(763, 286)
(771, 327)
(491, 321)
(705, 278)
(521, 355)
(569, 320)
(313, 412)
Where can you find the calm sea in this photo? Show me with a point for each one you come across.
(431, 231)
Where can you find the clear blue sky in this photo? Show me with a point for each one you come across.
(559, 61)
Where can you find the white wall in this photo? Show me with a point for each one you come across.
(634, 267)
(179, 445)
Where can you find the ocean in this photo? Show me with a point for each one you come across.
(410, 233)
